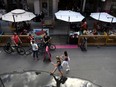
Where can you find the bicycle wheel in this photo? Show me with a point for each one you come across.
(7, 49)
(52, 47)
(29, 51)
(20, 50)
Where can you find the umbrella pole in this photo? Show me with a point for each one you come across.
(99, 16)
(15, 24)
(112, 19)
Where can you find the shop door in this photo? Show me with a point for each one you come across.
(45, 7)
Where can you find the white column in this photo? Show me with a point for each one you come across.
(84, 2)
(36, 6)
(55, 6)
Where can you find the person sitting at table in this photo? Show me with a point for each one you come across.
(24, 32)
(84, 25)
(85, 32)
(95, 32)
(105, 33)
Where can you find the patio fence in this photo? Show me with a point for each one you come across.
(98, 40)
(91, 40)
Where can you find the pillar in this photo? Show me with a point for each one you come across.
(107, 5)
(37, 7)
(84, 2)
(55, 6)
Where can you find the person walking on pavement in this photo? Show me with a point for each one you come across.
(66, 60)
(57, 66)
(47, 52)
(35, 49)
(46, 40)
(83, 45)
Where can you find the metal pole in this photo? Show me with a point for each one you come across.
(112, 20)
(15, 24)
(99, 15)
(83, 9)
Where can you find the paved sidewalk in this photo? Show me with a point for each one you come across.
(97, 65)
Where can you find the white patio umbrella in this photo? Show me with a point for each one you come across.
(103, 16)
(18, 15)
(69, 16)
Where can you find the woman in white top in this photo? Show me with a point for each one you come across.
(35, 49)
(66, 60)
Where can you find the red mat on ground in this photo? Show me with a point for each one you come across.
(66, 46)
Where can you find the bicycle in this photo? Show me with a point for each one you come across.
(51, 46)
(41, 48)
(29, 51)
(8, 48)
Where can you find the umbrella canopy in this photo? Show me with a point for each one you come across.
(18, 15)
(69, 16)
(103, 16)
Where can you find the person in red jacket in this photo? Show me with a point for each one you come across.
(16, 40)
